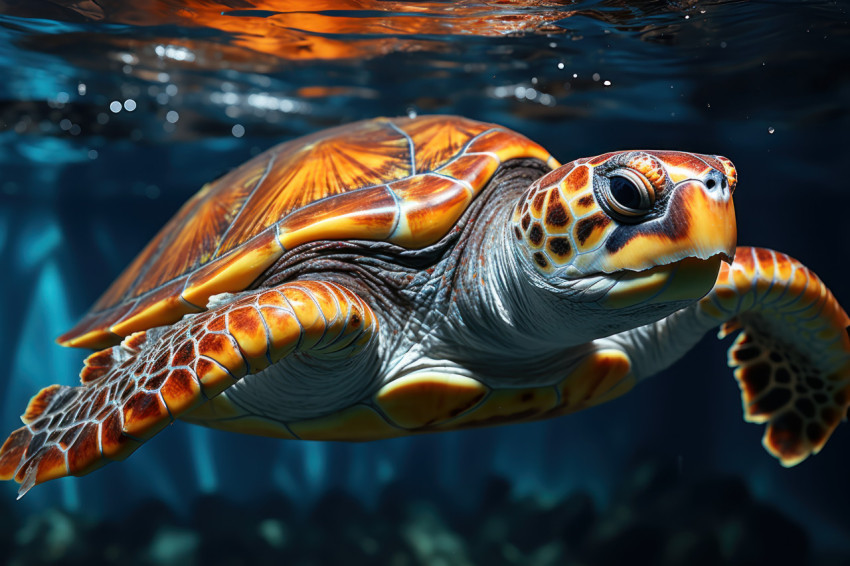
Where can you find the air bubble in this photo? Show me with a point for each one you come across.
(770, 130)
(238, 130)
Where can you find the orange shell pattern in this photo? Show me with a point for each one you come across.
(401, 180)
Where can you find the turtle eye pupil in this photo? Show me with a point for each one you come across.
(627, 195)
(625, 192)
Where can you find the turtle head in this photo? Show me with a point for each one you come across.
(631, 235)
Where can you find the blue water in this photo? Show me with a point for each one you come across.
(111, 118)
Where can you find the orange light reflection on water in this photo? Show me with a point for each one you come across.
(328, 30)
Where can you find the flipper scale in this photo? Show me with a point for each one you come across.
(792, 356)
(130, 392)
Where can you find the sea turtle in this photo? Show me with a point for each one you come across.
(398, 276)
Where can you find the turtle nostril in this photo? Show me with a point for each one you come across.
(710, 183)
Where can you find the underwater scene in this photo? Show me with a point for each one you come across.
(113, 114)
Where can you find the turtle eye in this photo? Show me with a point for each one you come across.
(627, 194)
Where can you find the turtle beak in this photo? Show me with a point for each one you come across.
(682, 252)
(699, 223)
(709, 224)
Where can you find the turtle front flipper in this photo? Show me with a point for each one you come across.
(132, 391)
(791, 359)
(792, 356)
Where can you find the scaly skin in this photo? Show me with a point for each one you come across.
(791, 358)
(130, 392)
(540, 303)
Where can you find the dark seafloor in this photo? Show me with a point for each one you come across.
(113, 113)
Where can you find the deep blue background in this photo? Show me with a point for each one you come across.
(764, 84)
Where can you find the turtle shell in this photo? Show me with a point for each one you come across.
(401, 180)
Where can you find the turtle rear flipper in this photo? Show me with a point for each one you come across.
(130, 392)
(792, 357)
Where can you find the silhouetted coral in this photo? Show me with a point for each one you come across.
(657, 517)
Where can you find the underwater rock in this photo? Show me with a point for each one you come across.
(431, 540)
(119, 544)
(692, 548)
(175, 546)
(519, 530)
(274, 531)
(664, 518)
(660, 518)
(150, 516)
(571, 519)
(338, 510)
(340, 517)
(715, 498)
(762, 535)
(649, 480)
(52, 537)
(625, 542)
(228, 531)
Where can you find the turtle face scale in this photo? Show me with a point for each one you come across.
(629, 228)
